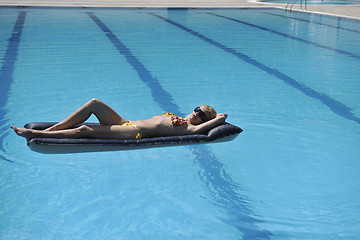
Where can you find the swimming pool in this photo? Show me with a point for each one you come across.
(290, 80)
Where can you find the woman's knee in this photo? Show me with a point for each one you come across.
(94, 101)
(94, 104)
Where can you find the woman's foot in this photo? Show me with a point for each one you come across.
(23, 132)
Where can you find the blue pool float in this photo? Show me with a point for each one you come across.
(221, 133)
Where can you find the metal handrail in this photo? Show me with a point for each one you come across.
(292, 2)
(305, 5)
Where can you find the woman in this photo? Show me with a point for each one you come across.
(112, 126)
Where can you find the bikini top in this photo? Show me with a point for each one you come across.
(175, 120)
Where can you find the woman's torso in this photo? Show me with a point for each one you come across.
(162, 125)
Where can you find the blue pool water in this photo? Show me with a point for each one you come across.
(290, 80)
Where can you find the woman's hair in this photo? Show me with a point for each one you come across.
(211, 110)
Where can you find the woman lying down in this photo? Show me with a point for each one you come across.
(113, 126)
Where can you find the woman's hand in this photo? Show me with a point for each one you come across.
(221, 117)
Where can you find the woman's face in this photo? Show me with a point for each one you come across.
(199, 115)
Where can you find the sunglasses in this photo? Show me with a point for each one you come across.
(202, 115)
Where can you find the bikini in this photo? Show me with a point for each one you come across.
(175, 122)
(128, 123)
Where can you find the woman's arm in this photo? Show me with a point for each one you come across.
(207, 126)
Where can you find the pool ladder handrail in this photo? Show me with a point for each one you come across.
(294, 1)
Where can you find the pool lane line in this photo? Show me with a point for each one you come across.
(313, 22)
(334, 105)
(10, 56)
(221, 183)
(7, 69)
(289, 36)
(157, 91)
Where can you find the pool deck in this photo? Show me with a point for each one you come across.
(350, 11)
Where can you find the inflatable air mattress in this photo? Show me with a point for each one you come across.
(221, 133)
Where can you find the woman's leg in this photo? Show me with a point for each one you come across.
(103, 132)
(31, 133)
(105, 115)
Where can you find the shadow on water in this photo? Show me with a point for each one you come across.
(226, 194)
(4, 133)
